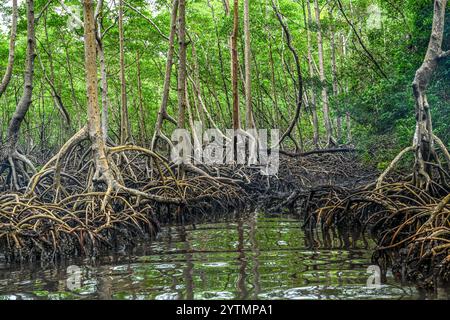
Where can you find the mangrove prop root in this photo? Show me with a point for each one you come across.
(411, 226)
(66, 210)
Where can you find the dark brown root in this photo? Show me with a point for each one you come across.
(411, 227)
(32, 229)
(67, 210)
(15, 171)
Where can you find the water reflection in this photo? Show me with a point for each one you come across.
(253, 257)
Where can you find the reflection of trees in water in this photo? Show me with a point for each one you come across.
(256, 263)
(350, 244)
(335, 238)
(255, 256)
(242, 276)
(189, 266)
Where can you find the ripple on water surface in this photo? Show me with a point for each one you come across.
(256, 257)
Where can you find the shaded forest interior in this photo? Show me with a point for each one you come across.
(93, 91)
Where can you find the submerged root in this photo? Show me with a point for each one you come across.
(76, 225)
(15, 171)
(411, 226)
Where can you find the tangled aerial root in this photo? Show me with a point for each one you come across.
(66, 211)
(15, 170)
(307, 182)
(411, 225)
(76, 225)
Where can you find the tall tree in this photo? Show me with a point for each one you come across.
(423, 142)
(313, 101)
(226, 6)
(334, 73)
(235, 66)
(250, 123)
(102, 169)
(104, 77)
(325, 102)
(125, 134)
(298, 83)
(141, 112)
(220, 53)
(12, 45)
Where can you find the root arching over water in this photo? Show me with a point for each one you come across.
(411, 226)
(68, 208)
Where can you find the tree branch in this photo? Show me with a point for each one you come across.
(299, 75)
(444, 54)
(147, 19)
(67, 9)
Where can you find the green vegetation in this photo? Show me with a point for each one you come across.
(93, 90)
(381, 109)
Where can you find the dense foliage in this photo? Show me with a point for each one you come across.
(395, 34)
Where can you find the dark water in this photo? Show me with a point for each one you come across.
(253, 257)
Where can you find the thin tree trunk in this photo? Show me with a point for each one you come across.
(334, 76)
(275, 116)
(197, 86)
(423, 141)
(298, 83)
(221, 64)
(9, 155)
(125, 136)
(226, 6)
(141, 113)
(250, 123)
(25, 101)
(234, 66)
(348, 125)
(258, 102)
(12, 44)
(162, 113)
(102, 171)
(313, 102)
(325, 106)
(104, 80)
(345, 89)
(358, 37)
(104, 76)
(182, 103)
(72, 85)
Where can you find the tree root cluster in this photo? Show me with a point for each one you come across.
(31, 229)
(304, 182)
(411, 226)
(67, 210)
